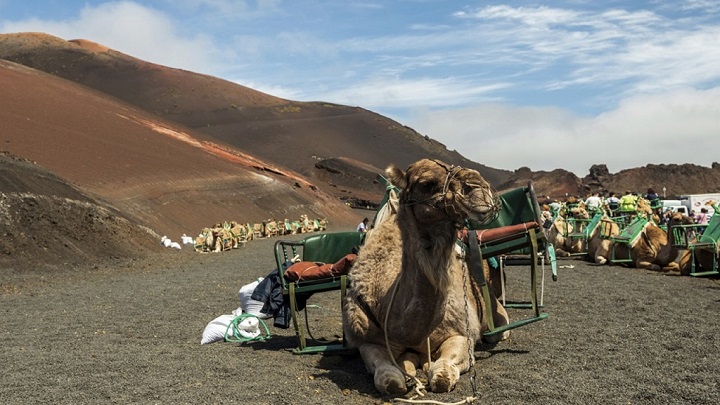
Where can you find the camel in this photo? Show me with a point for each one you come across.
(286, 228)
(409, 286)
(704, 259)
(704, 256)
(220, 238)
(599, 245)
(306, 224)
(652, 249)
(206, 241)
(559, 231)
(238, 233)
(271, 228)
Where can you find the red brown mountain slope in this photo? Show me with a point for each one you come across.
(291, 134)
(155, 172)
(46, 222)
(176, 151)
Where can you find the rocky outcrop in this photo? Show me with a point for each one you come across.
(668, 180)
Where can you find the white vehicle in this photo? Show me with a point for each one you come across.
(695, 202)
(676, 208)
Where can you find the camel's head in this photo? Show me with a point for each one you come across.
(579, 212)
(678, 218)
(643, 208)
(438, 191)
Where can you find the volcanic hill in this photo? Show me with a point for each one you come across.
(174, 151)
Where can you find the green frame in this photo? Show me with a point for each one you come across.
(324, 248)
(707, 241)
(626, 237)
(518, 206)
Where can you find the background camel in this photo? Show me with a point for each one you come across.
(599, 245)
(705, 257)
(410, 287)
(559, 232)
(652, 249)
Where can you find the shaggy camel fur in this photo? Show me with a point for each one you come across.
(409, 286)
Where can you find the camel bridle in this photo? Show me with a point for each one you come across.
(442, 200)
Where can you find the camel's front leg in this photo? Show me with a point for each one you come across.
(602, 254)
(646, 263)
(672, 266)
(388, 378)
(452, 359)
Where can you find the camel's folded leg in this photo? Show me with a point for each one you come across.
(453, 359)
(410, 362)
(559, 252)
(388, 378)
(672, 266)
(646, 263)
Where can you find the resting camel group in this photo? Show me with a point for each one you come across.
(639, 239)
(412, 304)
(232, 234)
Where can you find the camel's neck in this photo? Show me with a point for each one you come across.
(425, 277)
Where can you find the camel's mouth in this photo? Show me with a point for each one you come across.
(483, 206)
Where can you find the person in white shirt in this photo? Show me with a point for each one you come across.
(613, 204)
(593, 202)
(362, 226)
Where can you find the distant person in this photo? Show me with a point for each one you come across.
(702, 219)
(612, 203)
(593, 203)
(628, 203)
(362, 226)
(654, 199)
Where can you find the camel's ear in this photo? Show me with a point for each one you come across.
(396, 176)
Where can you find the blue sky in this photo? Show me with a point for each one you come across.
(542, 84)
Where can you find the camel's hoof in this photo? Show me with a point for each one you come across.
(444, 377)
(494, 339)
(390, 381)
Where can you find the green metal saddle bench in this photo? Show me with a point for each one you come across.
(321, 248)
(700, 243)
(627, 237)
(580, 228)
(517, 229)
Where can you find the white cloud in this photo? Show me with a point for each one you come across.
(604, 47)
(642, 70)
(392, 92)
(131, 28)
(676, 127)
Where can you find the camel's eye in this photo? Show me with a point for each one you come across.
(468, 188)
(427, 186)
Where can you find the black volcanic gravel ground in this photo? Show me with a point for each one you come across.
(130, 334)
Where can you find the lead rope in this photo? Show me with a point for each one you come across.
(419, 385)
